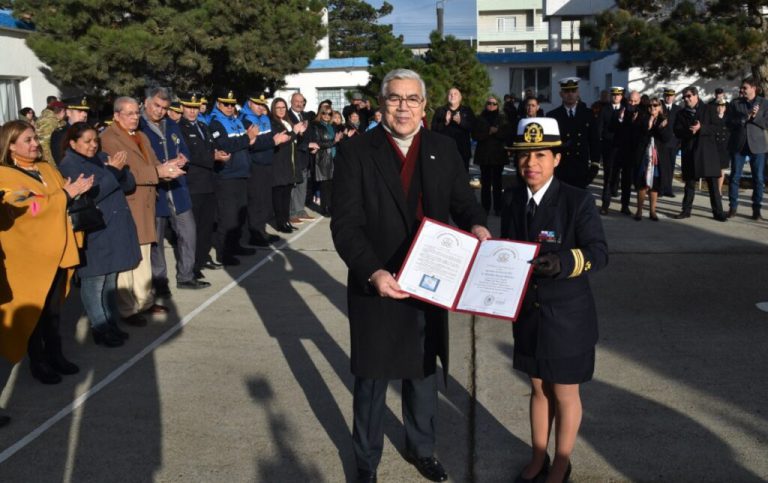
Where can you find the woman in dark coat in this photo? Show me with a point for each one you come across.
(112, 249)
(491, 132)
(325, 136)
(653, 133)
(722, 138)
(284, 164)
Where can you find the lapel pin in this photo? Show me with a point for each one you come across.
(431, 156)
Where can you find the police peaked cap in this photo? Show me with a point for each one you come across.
(569, 83)
(190, 100)
(77, 103)
(226, 96)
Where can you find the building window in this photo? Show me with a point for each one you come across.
(506, 24)
(337, 95)
(536, 80)
(582, 72)
(10, 100)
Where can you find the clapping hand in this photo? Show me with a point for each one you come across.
(313, 147)
(119, 160)
(221, 156)
(79, 186)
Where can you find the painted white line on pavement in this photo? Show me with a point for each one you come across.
(762, 306)
(69, 408)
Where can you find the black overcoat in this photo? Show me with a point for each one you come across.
(200, 169)
(373, 228)
(283, 161)
(558, 317)
(699, 151)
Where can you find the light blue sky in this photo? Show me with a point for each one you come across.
(415, 19)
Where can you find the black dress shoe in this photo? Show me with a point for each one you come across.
(44, 373)
(198, 274)
(625, 210)
(106, 338)
(193, 284)
(364, 476)
(681, 216)
(756, 216)
(284, 228)
(720, 216)
(430, 468)
(258, 240)
(538, 476)
(210, 265)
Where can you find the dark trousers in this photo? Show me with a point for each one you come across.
(419, 402)
(715, 200)
(45, 341)
(204, 209)
(617, 167)
(491, 187)
(667, 172)
(231, 203)
(281, 202)
(259, 198)
(326, 201)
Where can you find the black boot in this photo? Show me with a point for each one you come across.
(106, 337)
(43, 372)
(56, 357)
(119, 332)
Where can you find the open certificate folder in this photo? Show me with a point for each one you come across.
(451, 268)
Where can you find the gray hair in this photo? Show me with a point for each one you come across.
(120, 102)
(398, 74)
(159, 92)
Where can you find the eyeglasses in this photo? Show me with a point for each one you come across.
(410, 101)
(688, 96)
(491, 103)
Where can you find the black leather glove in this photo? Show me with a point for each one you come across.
(546, 265)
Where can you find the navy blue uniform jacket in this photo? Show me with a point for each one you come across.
(165, 150)
(558, 317)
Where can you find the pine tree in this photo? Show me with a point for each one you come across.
(107, 47)
(713, 39)
(353, 28)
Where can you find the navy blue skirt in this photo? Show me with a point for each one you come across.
(567, 370)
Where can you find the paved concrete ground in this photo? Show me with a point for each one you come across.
(255, 385)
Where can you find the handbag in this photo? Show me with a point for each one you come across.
(85, 215)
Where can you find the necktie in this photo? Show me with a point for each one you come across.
(530, 212)
(570, 113)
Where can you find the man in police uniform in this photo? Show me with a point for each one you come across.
(77, 111)
(574, 119)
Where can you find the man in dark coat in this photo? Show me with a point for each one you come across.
(201, 180)
(456, 121)
(299, 191)
(748, 120)
(174, 205)
(694, 127)
(386, 180)
(667, 168)
(76, 111)
(574, 119)
(610, 145)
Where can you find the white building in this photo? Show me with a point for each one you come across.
(327, 79)
(505, 26)
(22, 81)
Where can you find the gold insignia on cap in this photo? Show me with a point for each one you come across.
(194, 98)
(84, 102)
(533, 133)
(230, 95)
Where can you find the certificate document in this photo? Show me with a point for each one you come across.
(452, 269)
